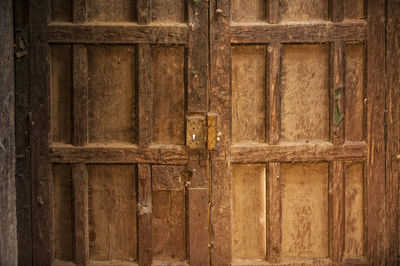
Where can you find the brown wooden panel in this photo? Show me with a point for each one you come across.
(63, 213)
(354, 91)
(168, 95)
(61, 93)
(111, 94)
(168, 10)
(354, 9)
(61, 10)
(305, 93)
(167, 177)
(354, 210)
(169, 225)
(111, 10)
(249, 211)
(248, 10)
(112, 212)
(304, 10)
(248, 93)
(305, 210)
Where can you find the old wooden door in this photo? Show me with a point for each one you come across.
(113, 83)
(298, 176)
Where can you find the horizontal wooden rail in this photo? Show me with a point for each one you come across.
(117, 33)
(298, 32)
(300, 261)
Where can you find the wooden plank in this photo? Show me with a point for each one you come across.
(143, 11)
(220, 104)
(274, 84)
(337, 10)
(248, 11)
(298, 32)
(80, 184)
(40, 129)
(197, 56)
(80, 94)
(304, 10)
(168, 11)
(337, 93)
(111, 10)
(145, 101)
(103, 33)
(287, 152)
(22, 134)
(274, 213)
(336, 210)
(273, 11)
(300, 261)
(376, 132)
(8, 219)
(393, 132)
(110, 154)
(144, 213)
(80, 10)
(197, 211)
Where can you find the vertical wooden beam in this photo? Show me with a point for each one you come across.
(273, 11)
(376, 132)
(80, 181)
(144, 215)
(8, 217)
(80, 83)
(274, 79)
(337, 10)
(336, 210)
(40, 133)
(393, 131)
(337, 92)
(144, 11)
(274, 213)
(220, 103)
(79, 7)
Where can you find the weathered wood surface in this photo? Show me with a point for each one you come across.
(144, 214)
(8, 217)
(274, 87)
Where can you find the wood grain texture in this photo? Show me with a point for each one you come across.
(143, 10)
(354, 91)
(274, 89)
(168, 10)
(305, 210)
(336, 9)
(376, 132)
(248, 11)
(112, 212)
(111, 10)
(248, 94)
(145, 102)
(144, 214)
(249, 212)
(274, 14)
(354, 9)
(165, 178)
(168, 91)
(112, 94)
(298, 33)
(305, 82)
(80, 11)
(61, 93)
(109, 33)
(336, 95)
(61, 10)
(354, 209)
(8, 204)
(304, 10)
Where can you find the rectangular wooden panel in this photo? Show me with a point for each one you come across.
(111, 10)
(112, 212)
(61, 10)
(304, 10)
(168, 10)
(354, 9)
(354, 91)
(305, 93)
(61, 94)
(111, 93)
(168, 91)
(354, 210)
(169, 225)
(248, 94)
(305, 210)
(248, 10)
(249, 211)
(63, 213)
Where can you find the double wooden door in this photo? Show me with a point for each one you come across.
(172, 132)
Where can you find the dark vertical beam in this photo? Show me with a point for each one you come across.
(376, 132)
(144, 11)
(274, 100)
(273, 11)
(393, 130)
(8, 217)
(337, 10)
(40, 133)
(144, 215)
(79, 8)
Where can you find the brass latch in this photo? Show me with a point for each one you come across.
(201, 131)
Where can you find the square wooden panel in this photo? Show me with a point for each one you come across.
(305, 210)
(248, 10)
(304, 10)
(305, 93)
(112, 212)
(354, 9)
(112, 94)
(168, 10)
(111, 10)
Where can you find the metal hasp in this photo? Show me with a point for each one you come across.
(201, 131)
